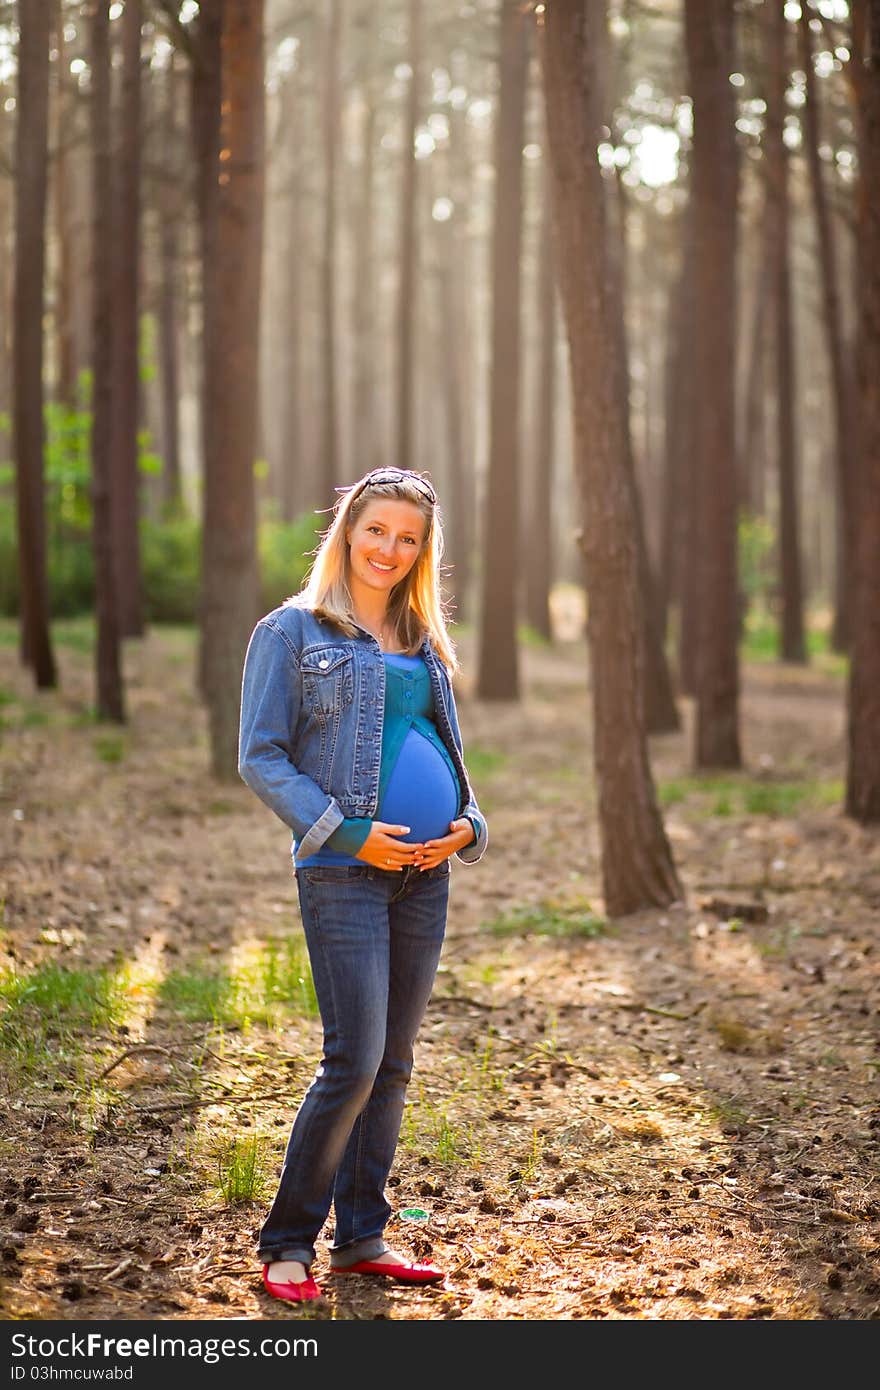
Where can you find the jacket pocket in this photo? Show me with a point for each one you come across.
(328, 681)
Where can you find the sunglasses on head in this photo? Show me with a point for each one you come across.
(398, 475)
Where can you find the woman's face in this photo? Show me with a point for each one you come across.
(384, 544)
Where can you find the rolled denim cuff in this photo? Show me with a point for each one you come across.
(344, 1256)
(477, 847)
(323, 827)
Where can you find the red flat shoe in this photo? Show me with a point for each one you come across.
(404, 1274)
(291, 1293)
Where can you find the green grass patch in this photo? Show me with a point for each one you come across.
(34, 717)
(277, 980)
(529, 636)
(548, 918)
(431, 1130)
(77, 634)
(482, 762)
(242, 1168)
(47, 1015)
(110, 747)
(761, 642)
(199, 995)
(727, 796)
(279, 976)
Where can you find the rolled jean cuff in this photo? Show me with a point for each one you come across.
(370, 1248)
(303, 1253)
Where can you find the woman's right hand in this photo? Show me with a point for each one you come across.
(384, 849)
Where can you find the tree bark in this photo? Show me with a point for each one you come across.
(329, 463)
(462, 499)
(637, 866)
(31, 167)
(70, 184)
(110, 697)
(125, 261)
(456, 525)
(709, 42)
(498, 673)
(364, 423)
(289, 481)
(407, 302)
(230, 595)
(863, 764)
(537, 527)
(682, 525)
(792, 646)
(661, 713)
(206, 81)
(169, 330)
(844, 434)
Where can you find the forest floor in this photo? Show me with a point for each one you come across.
(674, 1115)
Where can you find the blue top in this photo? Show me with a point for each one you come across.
(418, 783)
(307, 746)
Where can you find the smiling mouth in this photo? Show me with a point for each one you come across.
(383, 569)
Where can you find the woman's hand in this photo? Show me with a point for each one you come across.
(433, 852)
(385, 850)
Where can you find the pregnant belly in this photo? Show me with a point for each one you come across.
(422, 791)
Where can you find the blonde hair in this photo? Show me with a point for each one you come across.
(416, 608)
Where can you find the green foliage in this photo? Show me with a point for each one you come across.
(199, 995)
(242, 1168)
(549, 918)
(729, 796)
(482, 762)
(170, 548)
(757, 543)
(277, 980)
(171, 567)
(761, 638)
(284, 550)
(47, 1012)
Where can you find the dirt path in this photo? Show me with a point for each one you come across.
(673, 1116)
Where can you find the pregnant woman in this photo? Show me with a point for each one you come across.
(349, 733)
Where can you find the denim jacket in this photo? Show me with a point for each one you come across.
(310, 739)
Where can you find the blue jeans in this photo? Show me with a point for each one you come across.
(374, 939)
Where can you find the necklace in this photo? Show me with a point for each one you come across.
(385, 636)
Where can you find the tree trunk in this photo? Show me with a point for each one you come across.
(537, 529)
(456, 524)
(169, 332)
(125, 260)
(230, 595)
(31, 165)
(289, 481)
(498, 675)
(661, 713)
(205, 102)
(460, 533)
(329, 463)
(792, 646)
(108, 672)
(364, 423)
(863, 766)
(683, 528)
(405, 456)
(751, 495)
(72, 307)
(637, 866)
(709, 38)
(844, 434)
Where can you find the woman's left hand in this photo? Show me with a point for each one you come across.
(461, 833)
